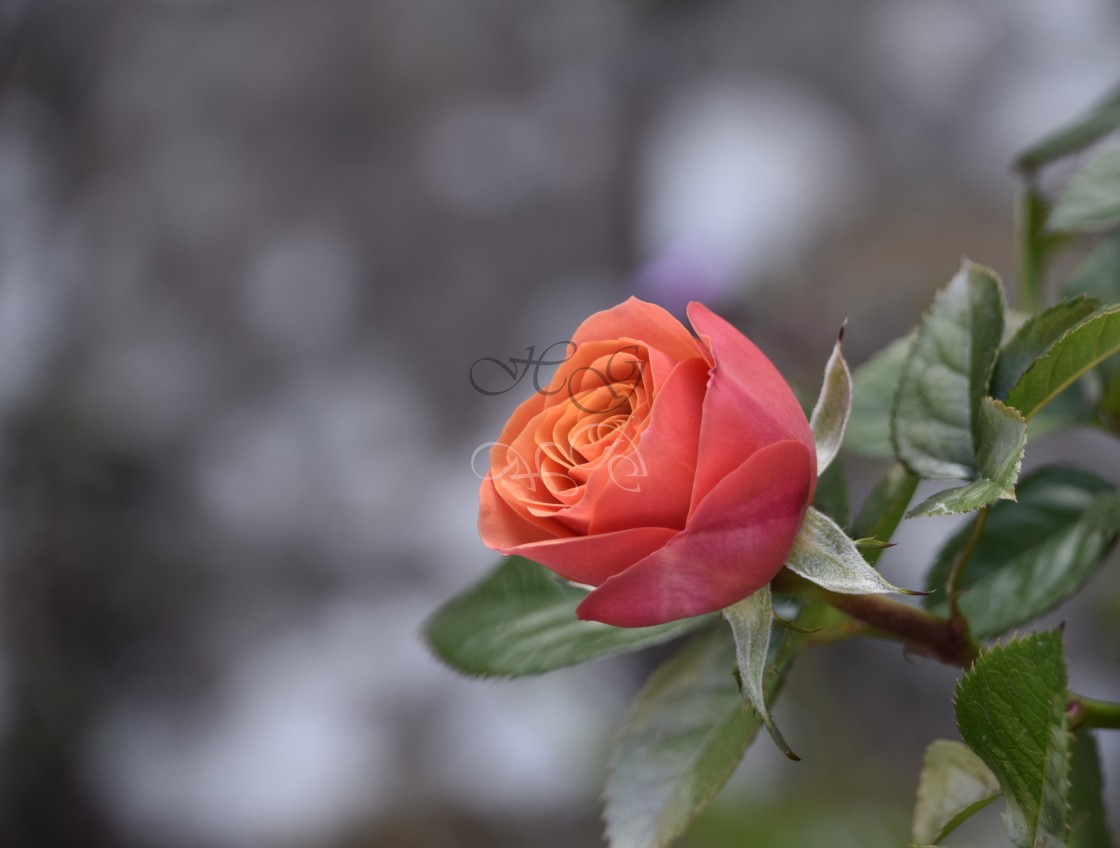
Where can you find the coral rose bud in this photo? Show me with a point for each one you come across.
(669, 471)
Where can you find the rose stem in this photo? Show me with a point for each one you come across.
(1089, 712)
(942, 639)
(939, 638)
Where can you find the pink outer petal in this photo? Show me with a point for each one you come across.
(593, 559)
(749, 404)
(734, 543)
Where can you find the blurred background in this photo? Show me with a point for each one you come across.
(249, 250)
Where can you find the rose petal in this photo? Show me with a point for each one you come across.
(593, 559)
(735, 542)
(502, 527)
(666, 338)
(652, 485)
(588, 365)
(749, 404)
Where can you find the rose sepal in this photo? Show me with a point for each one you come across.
(829, 420)
(823, 554)
(750, 621)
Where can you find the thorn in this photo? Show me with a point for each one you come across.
(793, 625)
(840, 335)
(873, 544)
(916, 592)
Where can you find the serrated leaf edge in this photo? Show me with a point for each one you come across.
(1103, 311)
(982, 654)
(664, 839)
(966, 266)
(1006, 493)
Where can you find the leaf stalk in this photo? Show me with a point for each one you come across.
(1089, 712)
(953, 581)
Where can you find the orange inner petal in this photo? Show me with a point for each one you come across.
(605, 405)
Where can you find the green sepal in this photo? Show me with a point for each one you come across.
(823, 554)
(750, 620)
(833, 408)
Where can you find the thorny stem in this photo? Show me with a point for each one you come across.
(924, 633)
(841, 632)
(930, 635)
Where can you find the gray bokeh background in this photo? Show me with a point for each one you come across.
(248, 252)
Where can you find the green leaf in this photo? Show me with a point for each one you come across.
(1110, 402)
(1088, 827)
(521, 620)
(1070, 408)
(1076, 352)
(1034, 338)
(823, 554)
(1011, 710)
(1074, 137)
(831, 496)
(1091, 201)
(750, 621)
(935, 423)
(1098, 275)
(684, 736)
(1032, 554)
(874, 384)
(1003, 438)
(953, 785)
(834, 405)
(883, 510)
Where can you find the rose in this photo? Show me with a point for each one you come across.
(669, 472)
